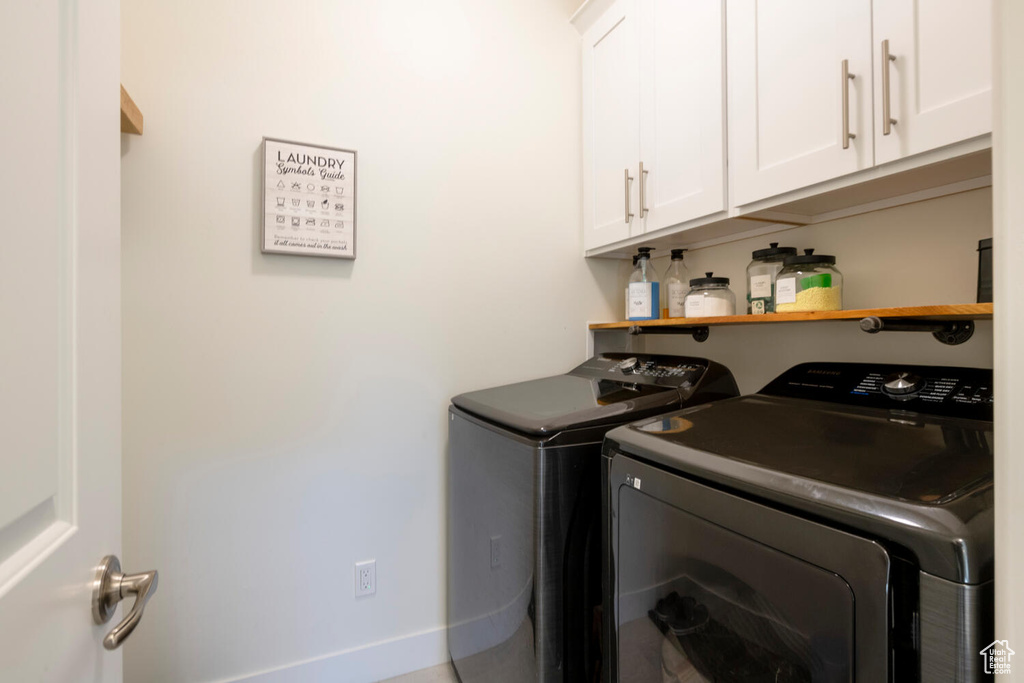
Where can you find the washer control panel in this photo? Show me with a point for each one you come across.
(934, 390)
(644, 369)
(650, 367)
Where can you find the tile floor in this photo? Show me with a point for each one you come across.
(438, 674)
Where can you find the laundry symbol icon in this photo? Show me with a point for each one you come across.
(325, 188)
(295, 222)
(280, 219)
(340, 190)
(296, 186)
(280, 184)
(325, 203)
(311, 203)
(339, 224)
(280, 201)
(295, 202)
(311, 221)
(310, 187)
(325, 224)
(339, 207)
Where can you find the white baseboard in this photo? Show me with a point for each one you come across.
(365, 664)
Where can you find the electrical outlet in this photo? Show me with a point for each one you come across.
(366, 578)
(495, 552)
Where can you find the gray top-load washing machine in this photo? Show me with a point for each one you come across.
(524, 571)
(835, 526)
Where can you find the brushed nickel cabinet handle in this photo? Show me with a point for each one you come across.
(887, 120)
(847, 77)
(109, 588)
(643, 190)
(628, 182)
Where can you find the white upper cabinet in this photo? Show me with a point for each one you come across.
(794, 120)
(653, 94)
(682, 110)
(940, 82)
(611, 125)
(805, 93)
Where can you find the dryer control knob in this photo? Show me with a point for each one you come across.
(628, 365)
(903, 384)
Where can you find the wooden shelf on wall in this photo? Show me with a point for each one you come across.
(131, 117)
(944, 313)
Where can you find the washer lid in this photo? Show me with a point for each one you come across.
(547, 406)
(919, 459)
(924, 481)
(608, 389)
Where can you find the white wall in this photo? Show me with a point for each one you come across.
(284, 417)
(1008, 176)
(913, 255)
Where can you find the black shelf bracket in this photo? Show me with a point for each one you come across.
(700, 333)
(949, 332)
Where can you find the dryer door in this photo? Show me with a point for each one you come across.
(708, 586)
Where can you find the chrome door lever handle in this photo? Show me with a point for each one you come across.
(110, 587)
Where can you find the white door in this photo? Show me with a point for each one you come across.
(682, 110)
(786, 93)
(60, 348)
(940, 82)
(611, 126)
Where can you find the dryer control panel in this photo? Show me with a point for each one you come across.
(932, 390)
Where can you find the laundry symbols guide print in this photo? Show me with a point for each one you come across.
(309, 200)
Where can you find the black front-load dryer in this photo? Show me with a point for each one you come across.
(836, 526)
(524, 571)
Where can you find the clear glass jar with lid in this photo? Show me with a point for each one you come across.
(710, 297)
(761, 275)
(809, 282)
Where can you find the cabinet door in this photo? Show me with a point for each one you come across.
(786, 104)
(682, 110)
(940, 84)
(611, 126)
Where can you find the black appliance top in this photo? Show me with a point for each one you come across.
(905, 451)
(609, 389)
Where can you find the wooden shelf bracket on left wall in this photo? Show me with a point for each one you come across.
(131, 117)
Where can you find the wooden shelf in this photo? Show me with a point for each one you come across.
(131, 117)
(954, 312)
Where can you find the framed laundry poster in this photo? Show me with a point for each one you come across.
(309, 200)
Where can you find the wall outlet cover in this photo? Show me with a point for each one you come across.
(366, 578)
